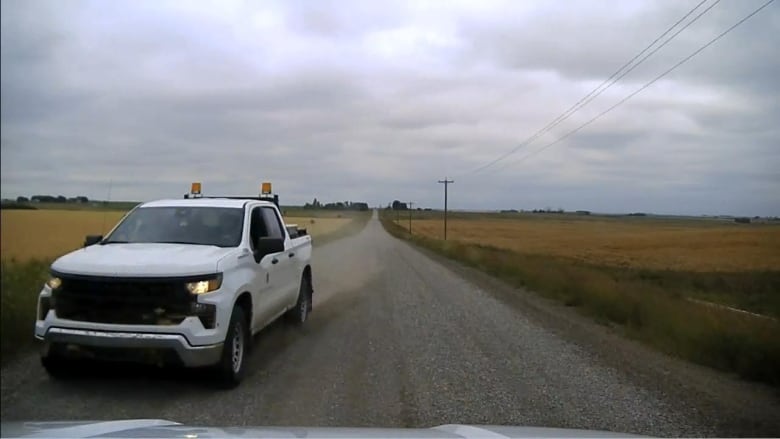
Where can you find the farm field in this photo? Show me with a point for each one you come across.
(690, 245)
(47, 234)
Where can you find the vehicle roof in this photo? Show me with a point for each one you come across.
(205, 202)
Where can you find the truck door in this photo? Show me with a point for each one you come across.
(287, 273)
(267, 279)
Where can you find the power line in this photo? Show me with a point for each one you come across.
(609, 82)
(593, 94)
(588, 100)
(642, 88)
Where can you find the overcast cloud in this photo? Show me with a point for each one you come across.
(368, 101)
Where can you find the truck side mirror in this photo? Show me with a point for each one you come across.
(92, 240)
(266, 246)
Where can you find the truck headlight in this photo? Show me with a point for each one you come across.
(54, 283)
(205, 285)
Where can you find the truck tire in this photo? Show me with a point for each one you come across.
(57, 366)
(298, 314)
(232, 365)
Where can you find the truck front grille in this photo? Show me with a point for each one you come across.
(123, 301)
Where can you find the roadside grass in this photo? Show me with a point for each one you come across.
(22, 280)
(647, 305)
(16, 206)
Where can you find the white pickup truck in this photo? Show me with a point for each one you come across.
(188, 281)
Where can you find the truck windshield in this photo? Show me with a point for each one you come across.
(218, 226)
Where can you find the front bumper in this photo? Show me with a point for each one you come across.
(188, 343)
(190, 356)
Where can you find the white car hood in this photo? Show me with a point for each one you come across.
(146, 428)
(142, 260)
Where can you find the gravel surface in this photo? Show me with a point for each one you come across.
(401, 338)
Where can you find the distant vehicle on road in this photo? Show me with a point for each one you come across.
(187, 281)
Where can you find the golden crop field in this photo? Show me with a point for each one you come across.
(46, 234)
(654, 244)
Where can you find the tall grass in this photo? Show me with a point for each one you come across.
(20, 284)
(639, 302)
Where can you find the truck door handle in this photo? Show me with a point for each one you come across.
(292, 254)
(274, 261)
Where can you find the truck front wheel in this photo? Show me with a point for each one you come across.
(57, 366)
(231, 367)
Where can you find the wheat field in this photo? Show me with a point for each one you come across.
(47, 234)
(652, 244)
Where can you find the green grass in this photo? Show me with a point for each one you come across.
(17, 206)
(20, 284)
(754, 291)
(650, 306)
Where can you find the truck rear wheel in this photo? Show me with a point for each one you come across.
(298, 314)
(231, 368)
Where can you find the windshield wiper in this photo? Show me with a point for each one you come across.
(114, 242)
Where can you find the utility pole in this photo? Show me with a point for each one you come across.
(410, 217)
(446, 183)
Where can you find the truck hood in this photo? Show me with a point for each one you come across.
(142, 260)
(145, 428)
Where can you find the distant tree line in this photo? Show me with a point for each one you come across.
(339, 205)
(548, 210)
(52, 199)
(397, 205)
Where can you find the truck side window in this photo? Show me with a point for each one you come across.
(272, 223)
(257, 228)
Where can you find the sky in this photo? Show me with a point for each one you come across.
(373, 101)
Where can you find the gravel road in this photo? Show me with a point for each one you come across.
(403, 338)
